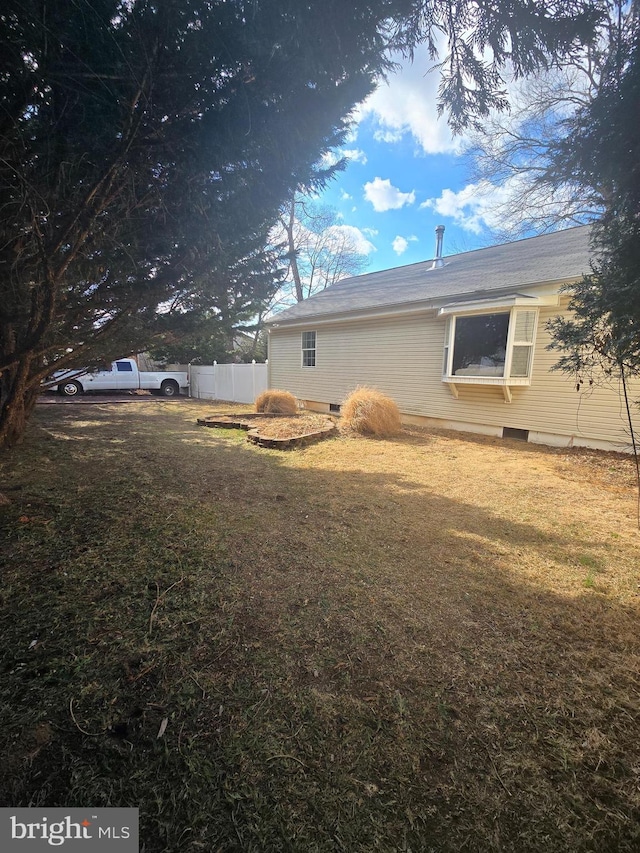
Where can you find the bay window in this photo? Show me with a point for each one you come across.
(489, 348)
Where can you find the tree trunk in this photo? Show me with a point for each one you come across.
(18, 397)
(293, 251)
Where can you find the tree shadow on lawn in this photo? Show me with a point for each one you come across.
(346, 661)
(338, 501)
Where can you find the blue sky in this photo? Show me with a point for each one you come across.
(406, 174)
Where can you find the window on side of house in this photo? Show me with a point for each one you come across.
(524, 329)
(494, 347)
(308, 349)
(480, 345)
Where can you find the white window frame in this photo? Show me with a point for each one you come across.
(506, 381)
(313, 349)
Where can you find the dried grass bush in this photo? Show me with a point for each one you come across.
(369, 412)
(274, 402)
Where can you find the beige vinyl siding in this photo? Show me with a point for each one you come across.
(396, 356)
(403, 357)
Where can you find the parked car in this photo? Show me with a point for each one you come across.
(123, 375)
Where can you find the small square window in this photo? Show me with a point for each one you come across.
(124, 367)
(308, 349)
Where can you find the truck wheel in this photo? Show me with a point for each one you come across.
(70, 388)
(170, 388)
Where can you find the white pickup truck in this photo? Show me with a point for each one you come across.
(123, 375)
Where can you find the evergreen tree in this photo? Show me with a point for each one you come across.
(145, 147)
(602, 152)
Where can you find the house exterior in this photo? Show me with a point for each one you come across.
(459, 342)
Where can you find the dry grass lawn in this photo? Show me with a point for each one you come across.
(428, 643)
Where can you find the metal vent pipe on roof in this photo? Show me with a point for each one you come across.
(437, 261)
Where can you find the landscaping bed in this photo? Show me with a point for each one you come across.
(272, 430)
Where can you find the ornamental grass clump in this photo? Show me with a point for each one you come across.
(369, 412)
(274, 402)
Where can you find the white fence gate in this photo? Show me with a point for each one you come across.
(235, 383)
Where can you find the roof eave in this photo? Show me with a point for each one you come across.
(420, 306)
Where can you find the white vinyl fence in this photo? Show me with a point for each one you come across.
(235, 383)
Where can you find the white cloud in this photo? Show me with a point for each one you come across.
(344, 195)
(474, 207)
(384, 196)
(370, 232)
(341, 234)
(336, 238)
(354, 154)
(407, 104)
(501, 209)
(329, 159)
(401, 244)
(388, 136)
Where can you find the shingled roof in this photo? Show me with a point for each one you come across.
(557, 257)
